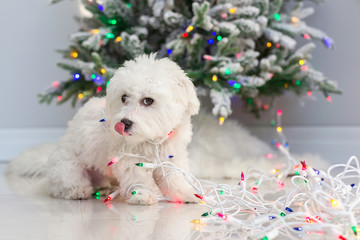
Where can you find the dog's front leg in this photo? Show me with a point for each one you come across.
(173, 185)
(137, 185)
(68, 178)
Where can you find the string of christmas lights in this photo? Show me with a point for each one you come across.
(293, 202)
(193, 181)
(315, 204)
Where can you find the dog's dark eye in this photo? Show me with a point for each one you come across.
(123, 98)
(147, 101)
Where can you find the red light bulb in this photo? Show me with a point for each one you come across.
(199, 196)
(222, 216)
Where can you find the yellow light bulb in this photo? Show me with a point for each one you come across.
(232, 10)
(80, 95)
(268, 44)
(189, 28)
(334, 203)
(221, 120)
(197, 221)
(95, 31)
(202, 202)
(214, 78)
(286, 85)
(275, 170)
(118, 39)
(74, 54)
(279, 129)
(103, 71)
(294, 19)
(301, 62)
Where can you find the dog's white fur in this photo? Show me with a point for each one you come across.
(89, 145)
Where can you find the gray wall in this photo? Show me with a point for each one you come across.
(31, 31)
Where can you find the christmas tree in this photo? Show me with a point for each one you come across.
(244, 48)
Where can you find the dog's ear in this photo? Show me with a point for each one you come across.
(187, 94)
(193, 104)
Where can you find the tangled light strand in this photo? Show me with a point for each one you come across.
(193, 181)
(319, 204)
(314, 204)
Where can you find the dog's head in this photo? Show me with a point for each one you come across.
(147, 98)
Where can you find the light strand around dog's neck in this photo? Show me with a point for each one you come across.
(156, 164)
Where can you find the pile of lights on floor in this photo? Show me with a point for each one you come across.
(294, 202)
(314, 203)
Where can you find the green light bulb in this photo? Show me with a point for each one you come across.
(133, 192)
(205, 214)
(282, 214)
(354, 229)
(277, 17)
(237, 86)
(110, 35)
(227, 71)
(219, 38)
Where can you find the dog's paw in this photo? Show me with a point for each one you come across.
(176, 189)
(143, 198)
(74, 193)
(184, 198)
(104, 191)
(190, 199)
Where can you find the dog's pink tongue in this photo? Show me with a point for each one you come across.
(120, 128)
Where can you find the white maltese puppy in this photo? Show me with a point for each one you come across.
(145, 101)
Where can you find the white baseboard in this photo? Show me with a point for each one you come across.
(15, 140)
(335, 144)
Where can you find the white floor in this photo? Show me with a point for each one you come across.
(24, 215)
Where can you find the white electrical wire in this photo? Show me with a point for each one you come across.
(311, 205)
(314, 204)
(193, 181)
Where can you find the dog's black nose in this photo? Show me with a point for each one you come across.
(127, 123)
